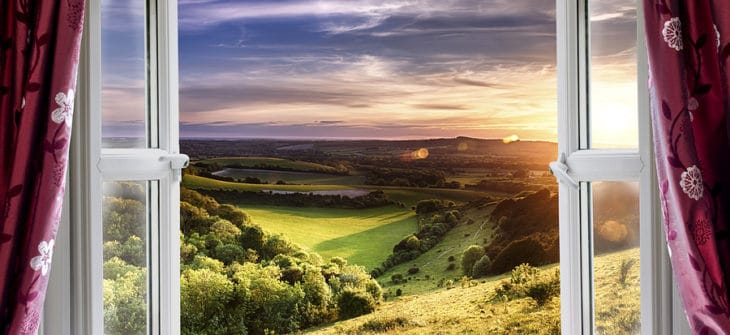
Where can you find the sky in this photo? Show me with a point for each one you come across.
(386, 69)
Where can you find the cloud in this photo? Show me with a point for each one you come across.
(441, 107)
(479, 83)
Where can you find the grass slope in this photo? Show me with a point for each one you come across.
(197, 182)
(471, 310)
(362, 236)
(254, 162)
(433, 263)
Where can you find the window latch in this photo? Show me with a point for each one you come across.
(177, 163)
(560, 170)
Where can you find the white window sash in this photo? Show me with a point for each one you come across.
(659, 313)
(81, 237)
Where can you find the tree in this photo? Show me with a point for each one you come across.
(353, 303)
(204, 304)
(225, 231)
(481, 267)
(471, 255)
(125, 306)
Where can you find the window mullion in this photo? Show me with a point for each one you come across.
(569, 139)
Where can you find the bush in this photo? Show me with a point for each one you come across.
(413, 270)
(452, 258)
(384, 324)
(428, 206)
(353, 303)
(471, 255)
(451, 267)
(544, 289)
(229, 253)
(481, 267)
(626, 265)
(396, 278)
(523, 274)
(527, 250)
(398, 292)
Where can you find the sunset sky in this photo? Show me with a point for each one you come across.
(369, 69)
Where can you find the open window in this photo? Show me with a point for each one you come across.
(606, 152)
(122, 272)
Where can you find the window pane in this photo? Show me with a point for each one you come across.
(126, 261)
(124, 68)
(612, 87)
(616, 257)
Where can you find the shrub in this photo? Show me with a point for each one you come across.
(526, 250)
(522, 274)
(353, 303)
(428, 206)
(384, 324)
(413, 270)
(452, 258)
(451, 267)
(626, 265)
(481, 267)
(396, 278)
(229, 253)
(471, 255)
(398, 292)
(544, 289)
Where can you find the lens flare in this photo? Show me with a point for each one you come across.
(510, 139)
(421, 153)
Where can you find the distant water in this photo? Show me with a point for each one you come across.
(344, 193)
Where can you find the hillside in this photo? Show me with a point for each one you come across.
(471, 310)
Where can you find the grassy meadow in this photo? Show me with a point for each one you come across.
(433, 264)
(362, 236)
(259, 162)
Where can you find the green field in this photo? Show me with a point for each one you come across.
(197, 182)
(362, 236)
(292, 177)
(408, 195)
(255, 162)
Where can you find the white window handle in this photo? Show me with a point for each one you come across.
(177, 163)
(560, 170)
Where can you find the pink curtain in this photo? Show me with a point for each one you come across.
(39, 51)
(688, 45)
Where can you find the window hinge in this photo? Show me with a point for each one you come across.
(177, 163)
(560, 170)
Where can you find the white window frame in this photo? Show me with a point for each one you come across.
(660, 311)
(74, 302)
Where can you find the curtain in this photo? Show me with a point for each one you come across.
(688, 47)
(39, 51)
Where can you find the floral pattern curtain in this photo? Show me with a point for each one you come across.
(39, 51)
(688, 44)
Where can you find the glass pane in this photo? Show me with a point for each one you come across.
(123, 67)
(616, 257)
(612, 87)
(126, 261)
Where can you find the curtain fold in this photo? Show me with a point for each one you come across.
(688, 47)
(39, 54)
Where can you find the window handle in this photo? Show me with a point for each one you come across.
(177, 163)
(560, 170)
